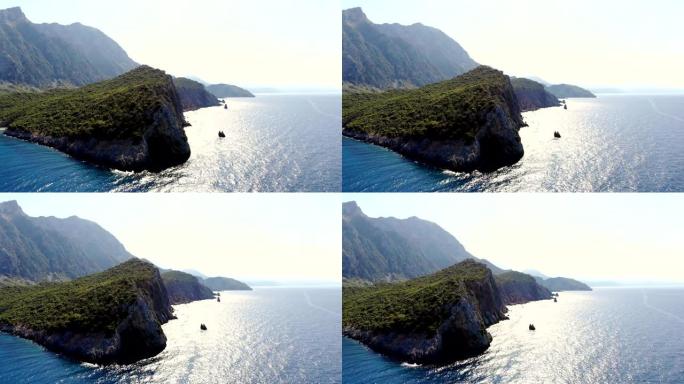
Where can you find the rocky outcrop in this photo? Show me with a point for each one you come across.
(136, 331)
(465, 124)
(133, 122)
(532, 95)
(461, 323)
(185, 288)
(193, 95)
(519, 288)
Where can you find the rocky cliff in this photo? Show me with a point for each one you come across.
(532, 95)
(519, 288)
(437, 318)
(184, 288)
(110, 317)
(133, 122)
(468, 123)
(193, 95)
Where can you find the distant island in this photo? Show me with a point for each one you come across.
(565, 91)
(467, 123)
(225, 284)
(227, 90)
(412, 292)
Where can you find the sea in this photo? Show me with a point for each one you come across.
(269, 335)
(273, 143)
(609, 335)
(614, 143)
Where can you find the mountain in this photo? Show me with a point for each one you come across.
(386, 249)
(565, 91)
(227, 90)
(532, 95)
(46, 248)
(535, 273)
(558, 284)
(184, 288)
(397, 56)
(519, 288)
(49, 55)
(433, 319)
(193, 95)
(225, 284)
(113, 316)
(133, 122)
(464, 124)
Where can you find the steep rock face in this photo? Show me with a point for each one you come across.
(396, 56)
(519, 288)
(193, 95)
(111, 317)
(184, 288)
(228, 90)
(434, 319)
(48, 55)
(464, 124)
(133, 122)
(225, 284)
(47, 248)
(532, 95)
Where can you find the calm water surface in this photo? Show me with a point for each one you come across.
(273, 143)
(269, 335)
(612, 143)
(605, 336)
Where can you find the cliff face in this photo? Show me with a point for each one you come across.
(464, 124)
(532, 95)
(110, 317)
(438, 318)
(184, 288)
(520, 288)
(193, 95)
(133, 122)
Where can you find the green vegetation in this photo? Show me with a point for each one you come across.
(418, 305)
(225, 284)
(193, 95)
(120, 108)
(228, 90)
(95, 303)
(557, 284)
(452, 109)
(171, 277)
(184, 288)
(514, 277)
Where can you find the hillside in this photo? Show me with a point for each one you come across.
(397, 56)
(133, 122)
(437, 318)
(193, 95)
(467, 123)
(519, 288)
(49, 55)
(184, 288)
(565, 91)
(558, 284)
(227, 90)
(113, 316)
(47, 248)
(225, 284)
(532, 95)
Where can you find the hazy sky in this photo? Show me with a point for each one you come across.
(290, 43)
(585, 42)
(284, 237)
(627, 237)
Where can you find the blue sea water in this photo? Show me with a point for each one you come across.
(274, 143)
(617, 335)
(269, 335)
(613, 143)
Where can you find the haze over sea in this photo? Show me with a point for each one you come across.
(612, 143)
(273, 143)
(269, 335)
(610, 335)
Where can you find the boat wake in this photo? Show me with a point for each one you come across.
(312, 305)
(658, 111)
(666, 313)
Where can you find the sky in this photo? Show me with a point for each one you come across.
(629, 238)
(607, 43)
(290, 238)
(290, 44)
